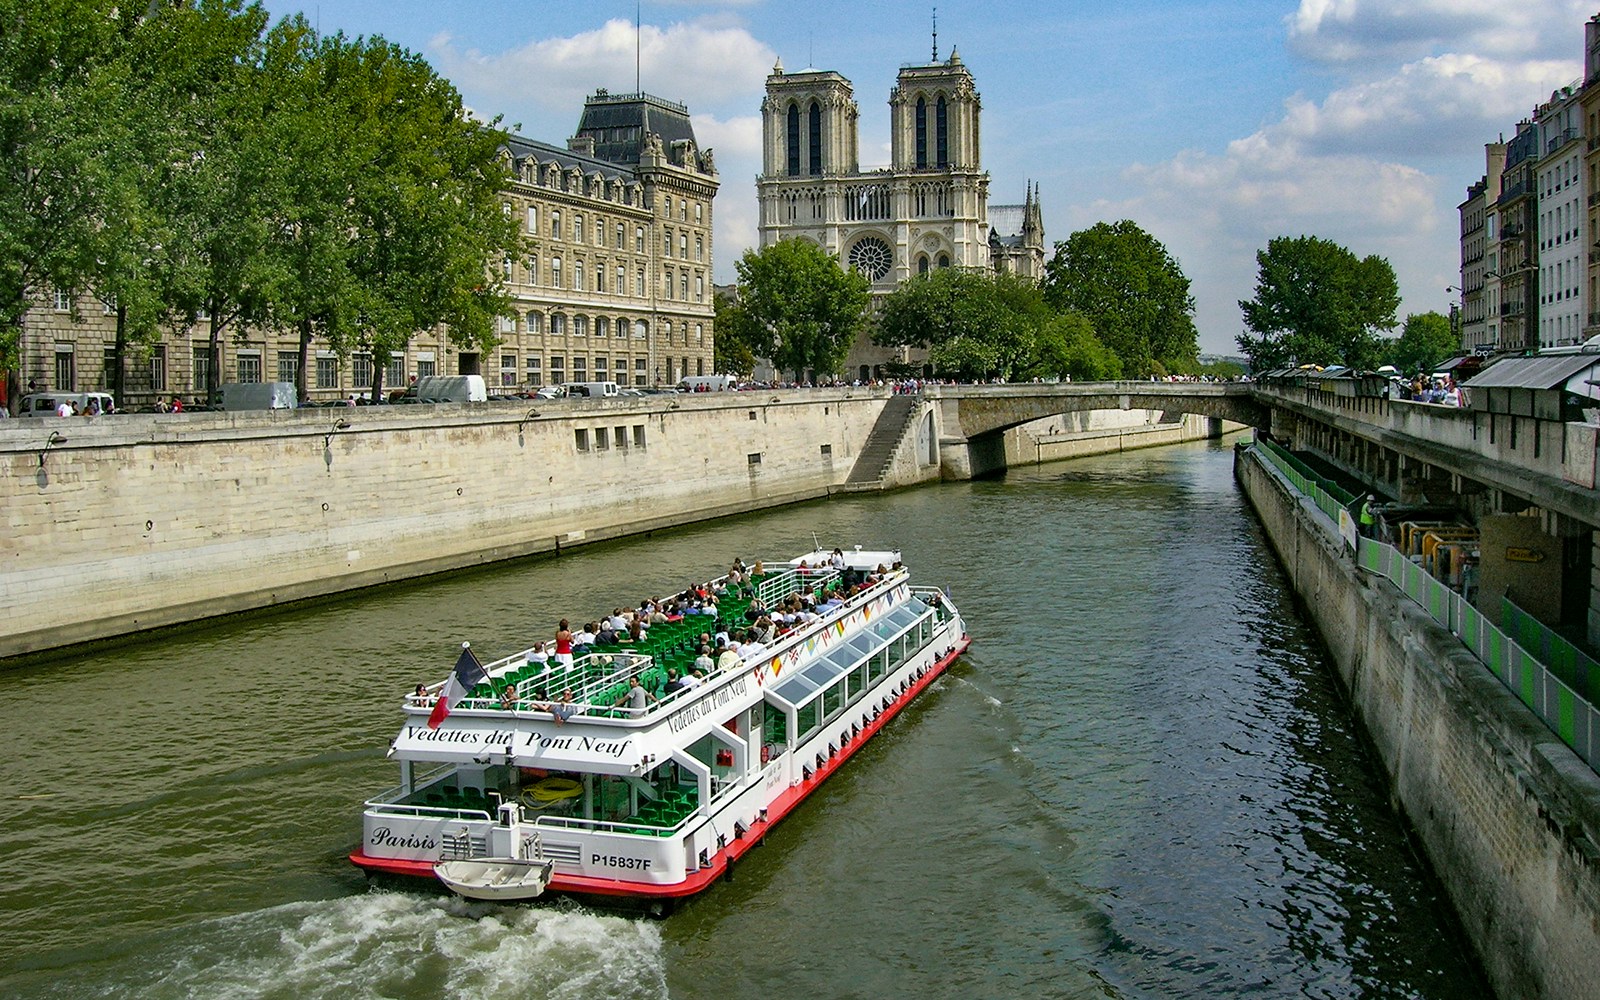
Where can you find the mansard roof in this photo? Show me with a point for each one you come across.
(545, 153)
(618, 124)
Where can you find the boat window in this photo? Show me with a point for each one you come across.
(809, 720)
(774, 724)
(880, 665)
(833, 700)
(858, 682)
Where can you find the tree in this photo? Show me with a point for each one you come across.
(1317, 303)
(975, 324)
(732, 342)
(1068, 347)
(1131, 289)
(803, 307)
(1425, 340)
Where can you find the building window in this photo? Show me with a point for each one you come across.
(508, 369)
(794, 141)
(699, 243)
(601, 439)
(699, 212)
(535, 323)
(327, 373)
(558, 369)
(66, 370)
(638, 436)
(577, 229)
(666, 243)
(816, 139)
(621, 287)
(533, 220)
(361, 370)
(505, 268)
(158, 368)
(599, 277)
(666, 283)
(200, 368)
(249, 367)
(753, 458)
(638, 239)
(580, 437)
(683, 245)
(108, 369)
(640, 375)
(555, 225)
(922, 133)
(580, 326)
(621, 235)
(289, 366)
(683, 286)
(638, 283)
(558, 324)
(394, 373)
(641, 329)
(942, 136)
(555, 272)
(699, 288)
(620, 435)
(580, 369)
(63, 304)
(699, 366)
(602, 326)
(621, 377)
(426, 368)
(577, 275)
(699, 334)
(535, 370)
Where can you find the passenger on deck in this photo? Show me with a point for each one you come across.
(636, 632)
(836, 561)
(727, 657)
(564, 644)
(508, 697)
(538, 658)
(607, 636)
(563, 709)
(636, 697)
(584, 637)
(674, 682)
(704, 663)
(421, 694)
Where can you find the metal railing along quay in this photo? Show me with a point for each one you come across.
(1558, 688)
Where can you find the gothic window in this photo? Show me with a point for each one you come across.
(816, 139)
(922, 264)
(942, 136)
(944, 260)
(872, 257)
(922, 134)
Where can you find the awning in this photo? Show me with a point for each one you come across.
(1548, 372)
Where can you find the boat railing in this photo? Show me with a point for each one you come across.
(420, 811)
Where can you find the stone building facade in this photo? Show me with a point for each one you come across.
(929, 208)
(614, 283)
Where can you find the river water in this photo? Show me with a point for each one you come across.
(1140, 782)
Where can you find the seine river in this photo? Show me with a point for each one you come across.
(1140, 782)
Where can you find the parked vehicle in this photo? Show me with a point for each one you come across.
(259, 396)
(44, 404)
(452, 389)
(594, 390)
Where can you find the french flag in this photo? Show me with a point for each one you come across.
(468, 674)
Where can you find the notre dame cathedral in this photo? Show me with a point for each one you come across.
(928, 209)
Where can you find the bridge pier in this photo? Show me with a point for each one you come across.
(968, 458)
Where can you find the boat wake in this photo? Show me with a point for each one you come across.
(391, 944)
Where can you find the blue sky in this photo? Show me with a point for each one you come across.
(1214, 125)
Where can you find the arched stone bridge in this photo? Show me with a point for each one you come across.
(972, 418)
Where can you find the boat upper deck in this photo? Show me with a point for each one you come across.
(600, 677)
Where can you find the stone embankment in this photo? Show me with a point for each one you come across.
(120, 524)
(1506, 813)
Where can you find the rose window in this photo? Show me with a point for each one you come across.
(872, 257)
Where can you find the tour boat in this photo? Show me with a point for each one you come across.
(653, 804)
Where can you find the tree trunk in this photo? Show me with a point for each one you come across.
(377, 376)
(302, 381)
(119, 379)
(214, 377)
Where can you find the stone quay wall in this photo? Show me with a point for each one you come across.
(131, 522)
(1508, 816)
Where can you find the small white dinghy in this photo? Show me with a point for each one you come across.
(503, 880)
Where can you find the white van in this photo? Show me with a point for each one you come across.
(706, 383)
(43, 404)
(258, 396)
(452, 389)
(594, 390)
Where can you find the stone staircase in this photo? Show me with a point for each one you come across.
(896, 419)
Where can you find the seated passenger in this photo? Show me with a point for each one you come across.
(508, 697)
(563, 709)
(704, 663)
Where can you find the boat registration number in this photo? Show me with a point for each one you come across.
(611, 861)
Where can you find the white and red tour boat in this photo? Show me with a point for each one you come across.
(511, 795)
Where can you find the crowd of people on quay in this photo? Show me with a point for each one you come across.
(724, 643)
(1440, 390)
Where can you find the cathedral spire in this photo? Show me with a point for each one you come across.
(935, 34)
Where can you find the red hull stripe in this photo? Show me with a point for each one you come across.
(780, 807)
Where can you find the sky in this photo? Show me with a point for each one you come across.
(1215, 125)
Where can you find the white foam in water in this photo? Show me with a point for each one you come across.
(390, 944)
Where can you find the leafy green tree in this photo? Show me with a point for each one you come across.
(1131, 289)
(733, 355)
(975, 324)
(1317, 303)
(803, 307)
(1425, 340)
(1068, 346)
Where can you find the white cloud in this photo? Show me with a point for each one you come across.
(556, 74)
(1362, 31)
